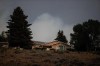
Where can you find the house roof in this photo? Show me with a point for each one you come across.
(53, 43)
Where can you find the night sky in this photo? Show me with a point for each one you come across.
(48, 16)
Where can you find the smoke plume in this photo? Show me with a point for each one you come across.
(46, 26)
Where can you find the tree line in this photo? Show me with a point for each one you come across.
(85, 36)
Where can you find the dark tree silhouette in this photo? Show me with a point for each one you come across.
(85, 35)
(78, 38)
(92, 28)
(61, 37)
(19, 31)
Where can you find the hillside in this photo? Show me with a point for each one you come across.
(16, 57)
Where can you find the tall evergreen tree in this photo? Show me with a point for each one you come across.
(19, 31)
(61, 37)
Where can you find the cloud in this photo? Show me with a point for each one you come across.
(46, 26)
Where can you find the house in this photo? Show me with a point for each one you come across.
(54, 45)
(37, 45)
(57, 45)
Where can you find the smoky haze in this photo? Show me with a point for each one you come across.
(46, 26)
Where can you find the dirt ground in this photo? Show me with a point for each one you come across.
(16, 57)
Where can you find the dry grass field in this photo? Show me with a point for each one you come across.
(16, 57)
